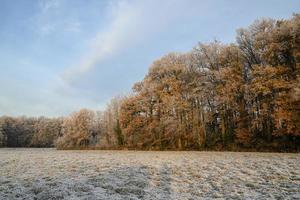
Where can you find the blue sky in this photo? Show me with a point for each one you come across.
(57, 56)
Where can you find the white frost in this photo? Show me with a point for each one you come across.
(51, 174)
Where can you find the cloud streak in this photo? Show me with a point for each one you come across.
(130, 23)
(121, 30)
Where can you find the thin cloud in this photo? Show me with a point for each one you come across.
(47, 5)
(49, 18)
(131, 22)
(120, 31)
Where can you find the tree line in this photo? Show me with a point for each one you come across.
(29, 131)
(244, 95)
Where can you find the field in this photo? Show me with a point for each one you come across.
(52, 174)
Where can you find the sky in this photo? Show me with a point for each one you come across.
(58, 56)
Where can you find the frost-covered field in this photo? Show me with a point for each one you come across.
(51, 174)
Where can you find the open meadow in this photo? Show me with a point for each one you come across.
(52, 174)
